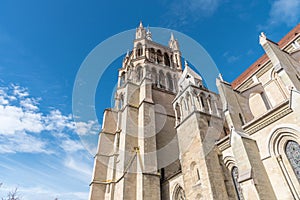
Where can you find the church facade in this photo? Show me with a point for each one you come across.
(168, 137)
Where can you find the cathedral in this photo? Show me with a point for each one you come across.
(169, 137)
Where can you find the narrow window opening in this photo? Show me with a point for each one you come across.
(202, 101)
(241, 119)
(198, 174)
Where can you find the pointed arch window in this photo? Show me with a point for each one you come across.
(179, 193)
(162, 81)
(170, 82)
(139, 50)
(166, 59)
(202, 101)
(139, 74)
(122, 79)
(237, 186)
(152, 54)
(292, 151)
(121, 102)
(159, 57)
(177, 113)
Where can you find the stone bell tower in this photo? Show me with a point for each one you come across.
(130, 163)
(199, 124)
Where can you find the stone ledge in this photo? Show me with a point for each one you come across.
(267, 118)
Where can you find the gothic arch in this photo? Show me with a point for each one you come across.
(177, 110)
(154, 76)
(277, 144)
(147, 71)
(229, 162)
(139, 50)
(209, 104)
(121, 101)
(188, 102)
(122, 79)
(170, 82)
(178, 193)
(279, 137)
(195, 172)
(152, 54)
(166, 59)
(162, 79)
(183, 107)
(159, 57)
(202, 101)
(175, 83)
(139, 73)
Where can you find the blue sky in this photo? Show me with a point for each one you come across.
(42, 45)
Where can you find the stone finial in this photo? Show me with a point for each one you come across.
(262, 38)
(148, 34)
(172, 37)
(141, 24)
(220, 77)
(186, 64)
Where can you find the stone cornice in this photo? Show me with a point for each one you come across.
(224, 143)
(268, 118)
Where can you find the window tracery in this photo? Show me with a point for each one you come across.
(292, 151)
(179, 194)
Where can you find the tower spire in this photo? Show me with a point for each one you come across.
(172, 37)
(141, 24)
(140, 32)
(173, 43)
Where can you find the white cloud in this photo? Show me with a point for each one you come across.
(14, 119)
(29, 104)
(85, 128)
(230, 58)
(19, 91)
(22, 142)
(182, 12)
(21, 123)
(285, 11)
(57, 121)
(71, 145)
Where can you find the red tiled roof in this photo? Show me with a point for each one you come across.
(264, 58)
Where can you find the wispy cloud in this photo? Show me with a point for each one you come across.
(81, 167)
(22, 142)
(284, 12)
(230, 58)
(183, 12)
(71, 145)
(84, 128)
